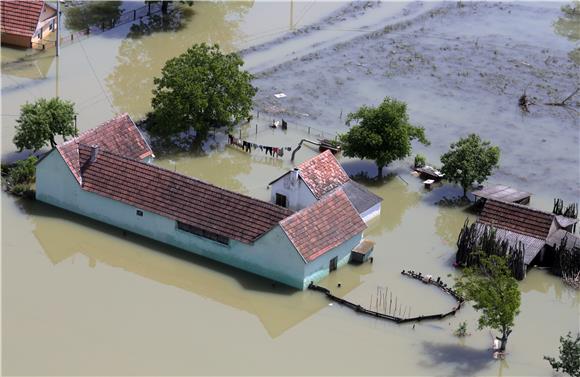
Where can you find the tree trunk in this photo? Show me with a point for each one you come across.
(164, 6)
(380, 172)
(504, 339)
(52, 142)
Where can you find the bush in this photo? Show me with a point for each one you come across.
(21, 176)
(420, 161)
(461, 331)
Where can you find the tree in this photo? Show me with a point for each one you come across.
(382, 133)
(469, 160)
(165, 4)
(41, 121)
(21, 176)
(199, 89)
(494, 292)
(93, 13)
(569, 356)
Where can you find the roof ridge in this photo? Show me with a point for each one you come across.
(522, 206)
(174, 173)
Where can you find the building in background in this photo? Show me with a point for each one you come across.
(26, 22)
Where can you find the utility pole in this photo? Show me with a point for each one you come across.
(291, 15)
(57, 28)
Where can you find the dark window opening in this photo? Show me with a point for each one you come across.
(203, 233)
(281, 200)
(139, 213)
(333, 264)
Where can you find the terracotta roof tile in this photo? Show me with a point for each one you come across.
(20, 17)
(323, 226)
(322, 174)
(517, 218)
(178, 197)
(118, 135)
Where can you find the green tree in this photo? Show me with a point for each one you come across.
(470, 160)
(569, 356)
(382, 133)
(41, 121)
(93, 13)
(165, 4)
(21, 176)
(199, 89)
(494, 292)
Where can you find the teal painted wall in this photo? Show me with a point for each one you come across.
(272, 256)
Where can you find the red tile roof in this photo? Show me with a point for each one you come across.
(323, 226)
(322, 174)
(118, 135)
(20, 17)
(517, 218)
(178, 197)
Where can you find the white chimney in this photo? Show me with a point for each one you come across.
(294, 174)
(94, 152)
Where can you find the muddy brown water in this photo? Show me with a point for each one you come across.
(80, 297)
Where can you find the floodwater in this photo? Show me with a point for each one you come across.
(80, 297)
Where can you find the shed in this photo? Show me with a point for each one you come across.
(362, 251)
(503, 193)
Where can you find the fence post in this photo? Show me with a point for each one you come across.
(72, 37)
(103, 26)
(308, 130)
(88, 30)
(134, 15)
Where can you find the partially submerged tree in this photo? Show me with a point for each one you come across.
(470, 160)
(40, 122)
(21, 176)
(494, 293)
(165, 4)
(569, 356)
(199, 89)
(93, 13)
(382, 133)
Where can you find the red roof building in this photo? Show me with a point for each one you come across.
(102, 174)
(23, 21)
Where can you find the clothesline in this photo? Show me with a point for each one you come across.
(249, 147)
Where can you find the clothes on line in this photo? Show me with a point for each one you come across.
(248, 147)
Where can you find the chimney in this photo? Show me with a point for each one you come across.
(94, 152)
(294, 174)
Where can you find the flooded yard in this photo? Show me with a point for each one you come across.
(80, 297)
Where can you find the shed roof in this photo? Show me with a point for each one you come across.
(517, 218)
(360, 197)
(532, 245)
(20, 17)
(178, 197)
(118, 135)
(324, 225)
(502, 192)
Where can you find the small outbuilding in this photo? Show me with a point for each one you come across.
(317, 177)
(502, 193)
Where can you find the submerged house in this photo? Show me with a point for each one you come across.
(318, 177)
(26, 22)
(537, 230)
(104, 174)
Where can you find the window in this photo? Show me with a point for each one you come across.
(203, 233)
(139, 213)
(281, 200)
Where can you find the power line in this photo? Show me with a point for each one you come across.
(95, 75)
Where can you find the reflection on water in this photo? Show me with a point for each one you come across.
(155, 41)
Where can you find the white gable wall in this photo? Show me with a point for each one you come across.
(297, 193)
(272, 256)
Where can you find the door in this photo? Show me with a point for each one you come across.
(333, 264)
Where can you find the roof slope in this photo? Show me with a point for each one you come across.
(20, 17)
(360, 197)
(532, 245)
(178, 197)
(322, 174)
(118, 135)
(323, 226)
(517, 218)
(501, 192)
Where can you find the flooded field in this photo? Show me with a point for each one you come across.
(80, 297)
